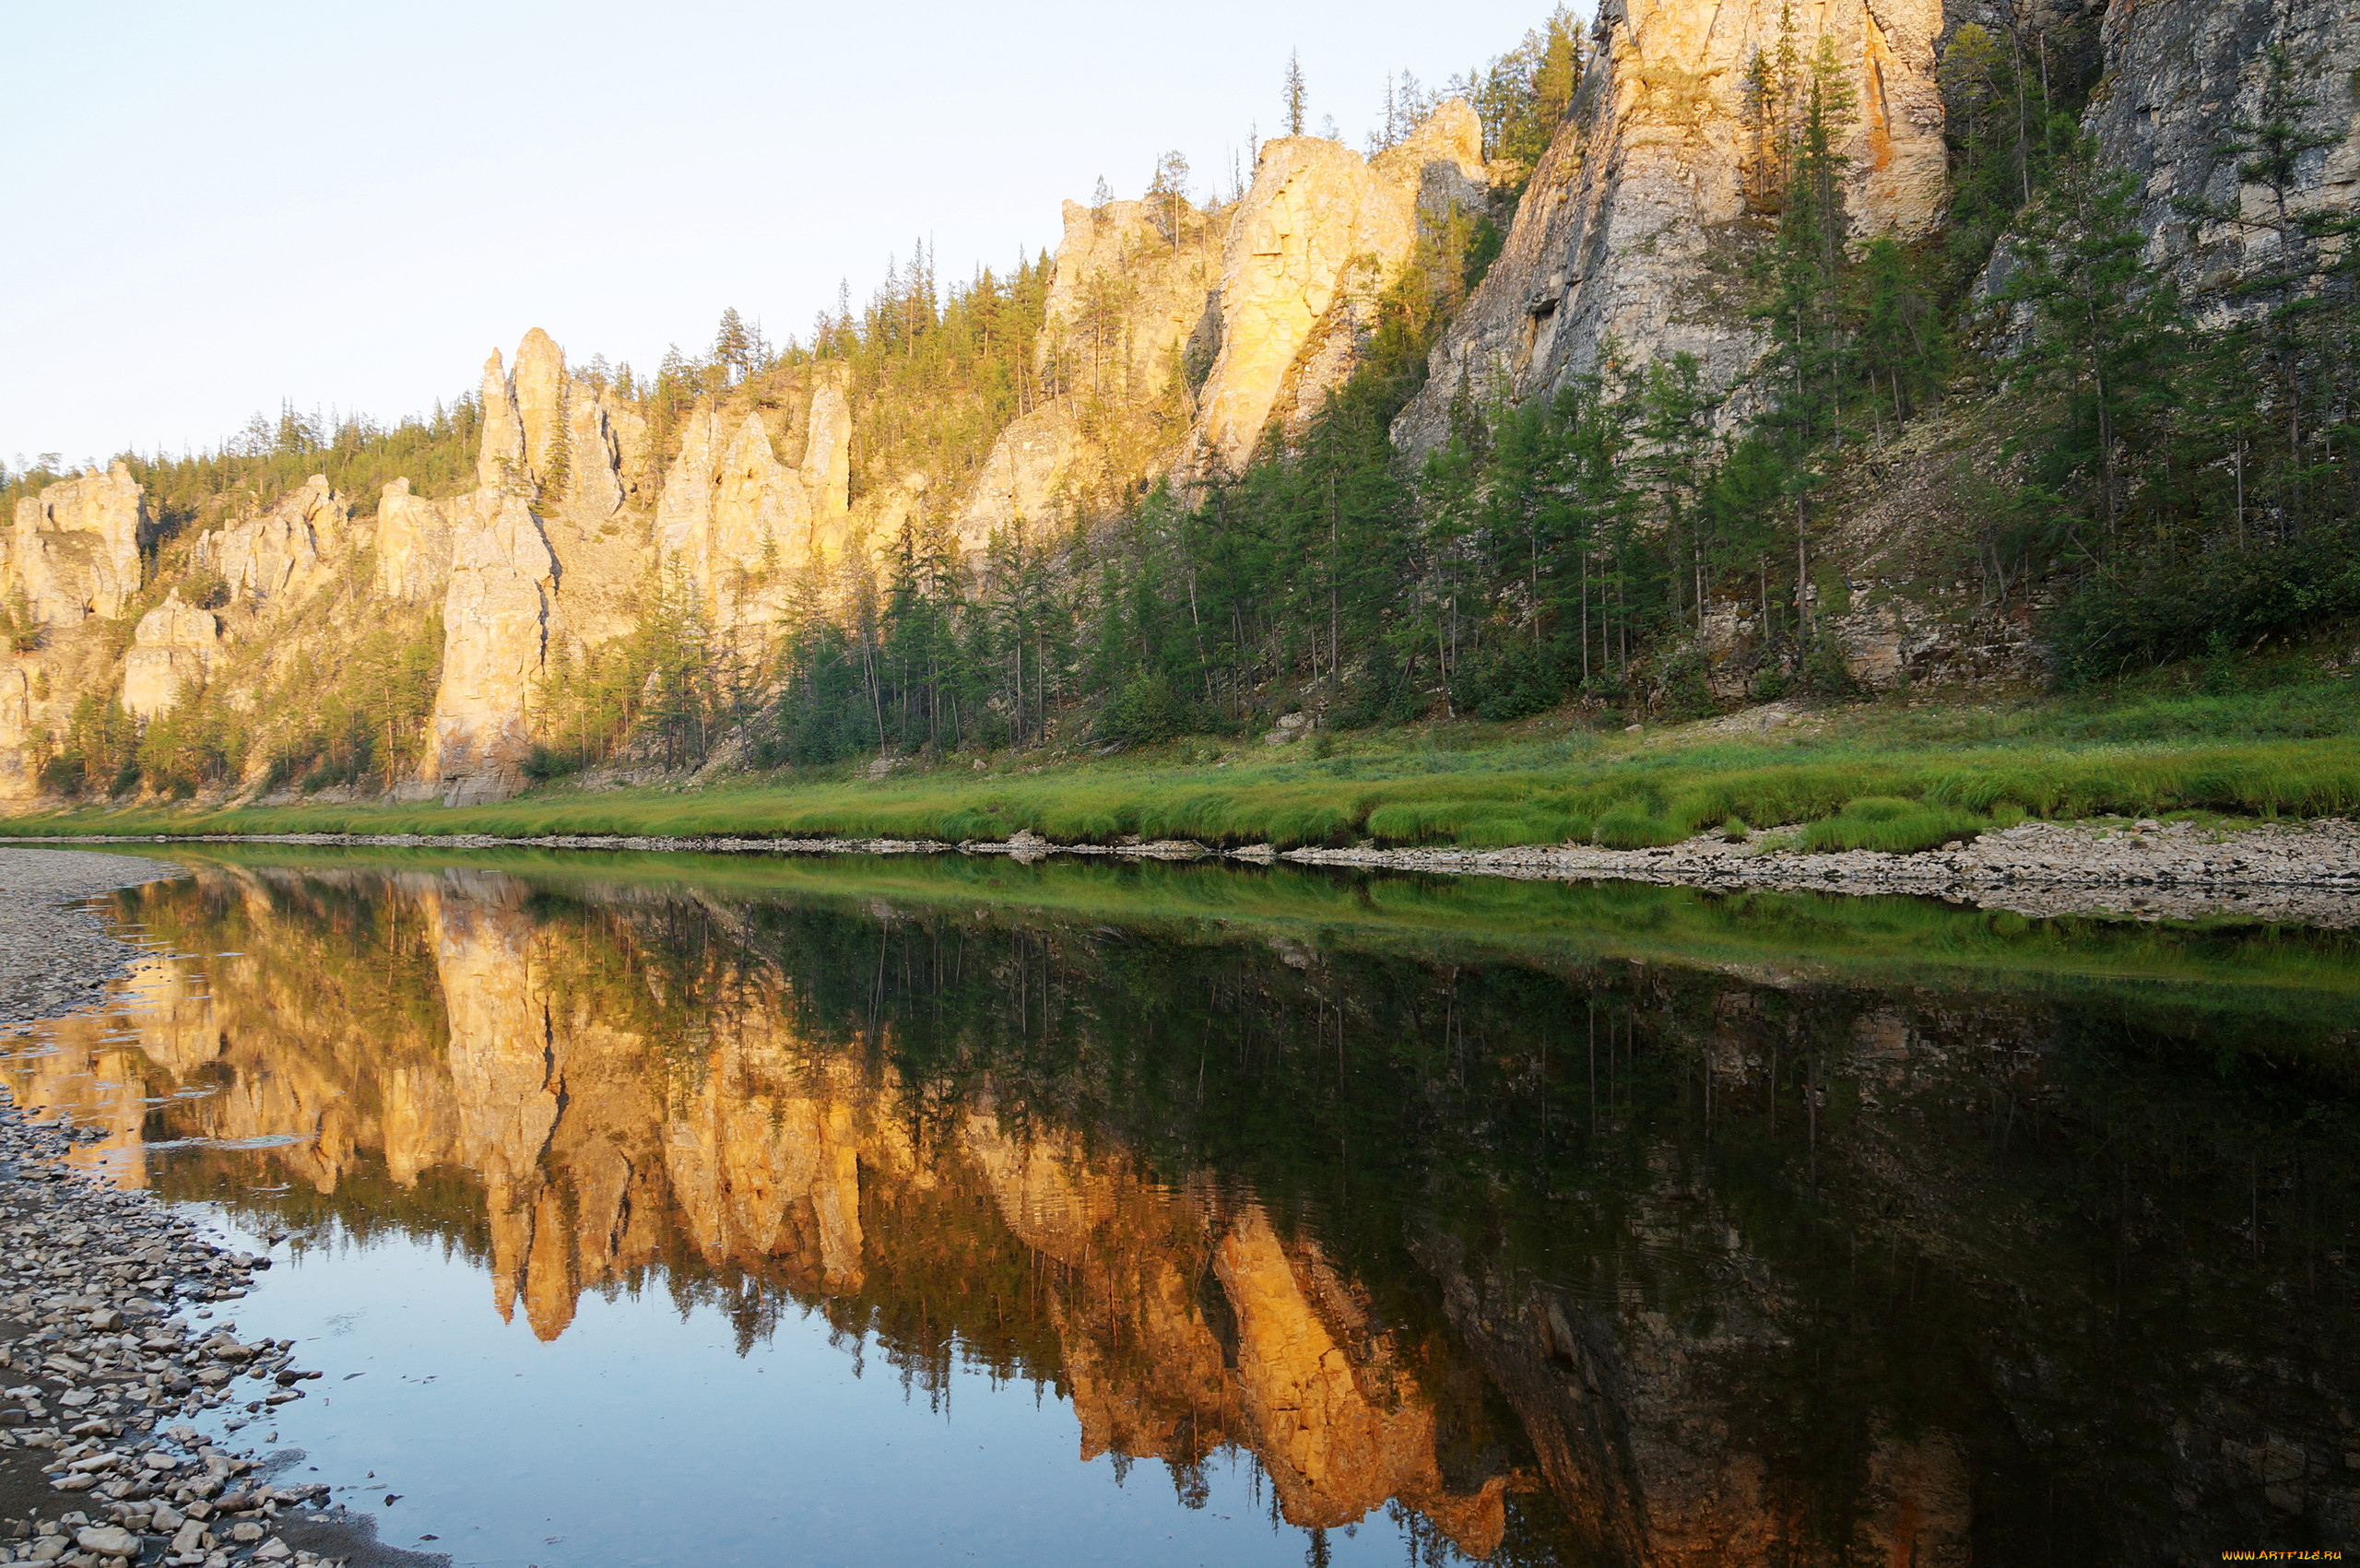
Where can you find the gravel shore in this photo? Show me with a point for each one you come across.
(105, 1359)
(55, 954)
(2298, 873)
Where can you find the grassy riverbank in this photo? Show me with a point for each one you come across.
(1888, 775)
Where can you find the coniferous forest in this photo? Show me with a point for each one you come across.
(2162, 472)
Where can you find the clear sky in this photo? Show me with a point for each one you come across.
(221, 206)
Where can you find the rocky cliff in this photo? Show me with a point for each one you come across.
(1178, 341)
(1634, 227)
(73, 552)
(2180, 76)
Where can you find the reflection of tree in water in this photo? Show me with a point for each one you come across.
(1654, 1261)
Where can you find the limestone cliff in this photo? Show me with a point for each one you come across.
(413, 544)
(1633, 224)
(2180, 74)
(170, 650)
(73, 552)
(1316, 240)
(497, 621)
(289, 552)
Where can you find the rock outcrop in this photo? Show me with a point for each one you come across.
(1317, 237)
(172, 650)
(737, 521)
(16, 728)
(74, 550)
(2179, 75)
(413, 546)
(497, 619)
(827, 452)
(285, 553)
(500, 456)
(1633, 224)
(1024, 477)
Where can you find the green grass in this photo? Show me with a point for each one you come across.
(1945, 772)
(1895, 826)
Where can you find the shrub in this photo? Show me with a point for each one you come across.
(1513, 683)
(1685, 694)
(1142, 712)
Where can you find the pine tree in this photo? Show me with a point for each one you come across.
(557, 462)
(732, 346)
(1297, 99)
(2104, 326)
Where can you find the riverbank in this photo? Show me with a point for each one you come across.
(57, 955)
(109, 1348)
(2298, 873)
(1895, 775)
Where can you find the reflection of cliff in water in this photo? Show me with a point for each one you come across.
(1625, 1261)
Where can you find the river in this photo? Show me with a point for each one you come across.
(648, 1209)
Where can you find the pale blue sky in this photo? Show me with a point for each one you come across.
(217, 207)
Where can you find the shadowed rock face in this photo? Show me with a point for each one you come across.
(2180, 74)
(1632, 228)
(73, 551)
(1778, 1272)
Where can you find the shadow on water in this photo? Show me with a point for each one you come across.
(1553, 1223)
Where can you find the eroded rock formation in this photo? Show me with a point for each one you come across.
(1316, 240)
(172, 650)
(286, 553)
(496, 626)
(74, 549)
(413, 546)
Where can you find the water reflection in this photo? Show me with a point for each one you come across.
(1545, 1253)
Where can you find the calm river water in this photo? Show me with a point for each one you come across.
(666, 1211)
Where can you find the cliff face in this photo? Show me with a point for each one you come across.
(170, 650)
(497, 621)
(73, 552)
(1185, 337)
(2179, 75)
(1317, 238)
(1634, 225)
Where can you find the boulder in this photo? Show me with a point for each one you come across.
(413, 544)
(74, 549)
(172, 650)
(497, 619)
